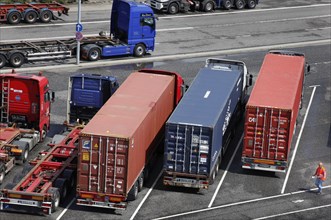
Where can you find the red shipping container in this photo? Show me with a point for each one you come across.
(116, 144)
(272, 110)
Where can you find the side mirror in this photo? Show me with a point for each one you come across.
(52, 96)
(307, 68)
(250, 80)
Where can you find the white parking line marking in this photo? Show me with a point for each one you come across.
(66, 209)
(146, 196)
(226, 171)
(297, 211)
(238, 203)
(298, 140)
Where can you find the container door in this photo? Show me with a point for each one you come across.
(266, 133)
(187, 149)
(105, 160)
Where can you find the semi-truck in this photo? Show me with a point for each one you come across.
(31, 12)
(45, 183)
(26, 101)
(201, 129)
(132, 32)
(86, 95)
(15, 145)
(272, 111)
(175, 6)
(118, 145)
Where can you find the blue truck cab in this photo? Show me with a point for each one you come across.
(132, 32)
(86, 95)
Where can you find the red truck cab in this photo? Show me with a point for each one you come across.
(26, 101)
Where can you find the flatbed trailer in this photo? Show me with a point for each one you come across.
(31, 12)
(15, 145)
(53, 173)
(132, 33)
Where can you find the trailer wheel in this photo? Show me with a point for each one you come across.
(133, 193)
(251, 4)
(46, 16)
(212, 178)
(55, 198)
(18, 178)
(227, 4)
(173, 8)
(141, 181)
(62, 185)
(14, 17)
(70, 176)
(139, 50)
(217, 168)
(3, 60)
(240, 4)
(16, 59)
(209, 6)
(2, 172)
(30, 17)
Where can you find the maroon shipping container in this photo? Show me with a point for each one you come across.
(272, 110)
(119, 140)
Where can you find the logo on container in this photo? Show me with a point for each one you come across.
(87, 144)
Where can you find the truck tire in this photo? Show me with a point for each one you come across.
(61, 184)
(16, 59)
(14, 17)
(208, 6)
(240, 4)
(46, 16)
(43, 134)
(139, 50)
(3, 60)
(251, 4)
(24, 146)
(2, 172)
(55, 198)
(93, 53)
(212, 178)
(173, 8)
(30, 17)
(140, 182)
(133, 193)
(70, 176)
(227, 4)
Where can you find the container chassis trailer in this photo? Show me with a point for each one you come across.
(46, 182)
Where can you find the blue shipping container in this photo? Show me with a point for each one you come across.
(195, 131)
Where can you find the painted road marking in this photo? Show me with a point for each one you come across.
(298, 139)
(66, 209)
(297, 211)
(172, 57)
(146, 196)
(238, 203)
(226, 171)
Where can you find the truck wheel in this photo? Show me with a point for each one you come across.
(55, 198)
(209, 6)
(139, 50)
(43, 133)
(173, 8)
(24, 146)
(3, 60)
(30, 17)
(14, 17)
(141, 181)
(94, 54)
(251, 4)
(133, 193)
(61, 184)
(16, 59)
(217, 166)
(212, 178)
(240, 4)
(46, 16)
(227, 4)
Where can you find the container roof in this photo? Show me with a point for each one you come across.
(278, 81)
(206, 97)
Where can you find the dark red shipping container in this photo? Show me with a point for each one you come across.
(115, 145)
(272, 110)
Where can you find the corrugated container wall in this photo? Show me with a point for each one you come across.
(273, 107)
(115, 144)
(194, 132)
